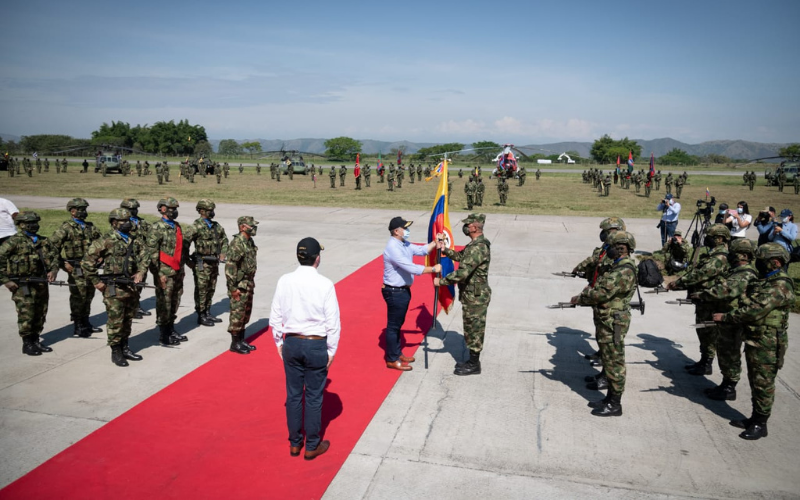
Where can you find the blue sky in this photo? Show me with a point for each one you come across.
(436, 71)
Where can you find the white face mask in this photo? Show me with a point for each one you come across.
(406, 234)
(740, 210)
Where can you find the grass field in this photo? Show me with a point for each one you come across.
(52, 219)
(554, 194)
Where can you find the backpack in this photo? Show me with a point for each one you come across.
(794, 256)
(648, 274)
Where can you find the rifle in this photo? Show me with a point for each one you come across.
(200, 259)
(680, 302)
(566, 274)
(639, 306)
(705, 324)
(657, 290)
(24, 281)
(76, 266)
(112, 281)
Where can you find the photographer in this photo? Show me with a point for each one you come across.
(722, 215)
(764, 224)
(739, 220)
(669, 219)
(784, 231)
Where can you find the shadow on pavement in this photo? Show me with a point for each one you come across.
(568, 359)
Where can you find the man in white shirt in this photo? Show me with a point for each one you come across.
(398, 275)
(8, 212)
(305, 325)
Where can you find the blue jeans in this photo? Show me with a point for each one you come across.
(305, 363)
(667, 230)
(397, 300)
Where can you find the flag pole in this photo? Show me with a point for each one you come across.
(435, 288)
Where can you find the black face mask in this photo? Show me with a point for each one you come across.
(32, 228)
(172, 213)
(465, 229)
(134, 212)
(761, 267)
(125, 227)
(708, 241)
(603, 235)
(80, 213)
(211, 215)
(612, 253)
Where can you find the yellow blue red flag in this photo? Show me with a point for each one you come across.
(440, 223)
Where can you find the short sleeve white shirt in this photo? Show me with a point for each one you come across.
(7, 209)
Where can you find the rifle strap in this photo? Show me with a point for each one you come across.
(41, 257)
(126, 262)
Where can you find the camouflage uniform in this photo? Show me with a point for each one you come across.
(752, 181)
(474, 292)
(146, 167)
(138, 168)
(140, 230)
(502, 190)
(258, 169)
(29, 255)
(412, 173)
(165, 168)
(342, 175)
(122, 256)
(705, 275)
(726, 294)
(64, 165)
(668, 183)
(46, 165)
(332, 175)
(401, 172)
(70, 242)
(607, 185)
(210, 247)
(672, 255)
(159, 173)
(226, 169)
(168, 253)
(38, 165)
(390, 179)
(469, 190)
(480, 190)
(240, 271)
(679, 182)
(218, 173)
(419, 172)
(764, 313)
(241, 169)
(367, 174)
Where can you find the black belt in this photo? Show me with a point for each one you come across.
(305, 337)
(404, 287)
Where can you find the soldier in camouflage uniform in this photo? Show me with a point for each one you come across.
(122, 256)
(226, 169)
(342, 175)
(218, 173)
(140, 230)
(752, 180)
(610, 298)
(138, 168)
(668, 183)
(240, 271)
(704, 275)
(674, 255)
(168, 253)
(679, 182)
(159, 173)
(210, 248)
(469, 190)
(726, 294)
(241, 169)
(657, 180)
(367, 174)
(165, 168)
(474, 292)
(480, 190)
(764, 314)
(46, 165)
(39, 165)
(412, 173)
(70, 242)
(401, 172)
(63, 165)
(332, 175)
(390, 179)
(502, 190)
(258, 169)
(146, 168)
(28, 255)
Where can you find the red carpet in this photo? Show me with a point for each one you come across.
(220, 431)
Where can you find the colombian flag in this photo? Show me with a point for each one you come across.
(440, 223)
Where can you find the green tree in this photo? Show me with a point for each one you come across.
(606, 149)
(486, 150)
(252, 147)
(46, 142)
(677, 157)
(790, 151)
(450, 147)
(203, 148)
(342, 148)
(229, 147)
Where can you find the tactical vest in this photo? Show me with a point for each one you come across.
(207, 240)
(779, 317)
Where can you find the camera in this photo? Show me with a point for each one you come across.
(706, 208)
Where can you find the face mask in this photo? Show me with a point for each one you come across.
(80, 213)
(603, 235)
(172, 213)
(406, 234)
(740, 210)
(722, 212)
(708, 241)
(32, 228)
(465, 229)
(211, 214)
(252, 230)
(613, 253)
(125, 227)
(762, 267)
(134, 212)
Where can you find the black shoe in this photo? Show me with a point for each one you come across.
(740, 424)
(79, 330)
(611, 408)
(704, 367)
(237, 346)
(212, 318)
(128, 354)
(138, 314)
(592, 378)
(593, 356)
(142, 312)
(756, 430)
(596, 363)
(90, 327)
(598, 404)
(471, 367)
(116, 355)
(243, 342)
(37, 341)
(726, 391)
(204, 320)
(692, 366)
(176, 335)
(29, 346)
(598, 385)
(165, 337)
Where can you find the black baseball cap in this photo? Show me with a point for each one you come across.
(308, 247)
(399, 222)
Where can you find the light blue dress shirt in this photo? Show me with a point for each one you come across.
(398, 262)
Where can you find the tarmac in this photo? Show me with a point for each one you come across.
(521, 429)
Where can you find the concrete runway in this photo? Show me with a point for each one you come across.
(520, 430)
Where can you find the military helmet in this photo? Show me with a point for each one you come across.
(167, 202)
(77, 203)
(130, 203)
(622, 237)
(720, 230)
(743, 245)
(205, 204)
(613, 223)
(27, 217)
(766, 251)
(119, 214)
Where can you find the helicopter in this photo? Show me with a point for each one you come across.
(790, 165)
(292, 158)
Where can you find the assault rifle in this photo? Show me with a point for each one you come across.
(76, 266)
(705, 324)
(112, 281)
(565, 274)
(639, 306)
(24, 281)
(200, 260)
(680, 302)
(657, 290)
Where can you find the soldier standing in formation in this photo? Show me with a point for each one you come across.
(46, 165)
(610, 298)
(272, 169)
(332, 175)
(679, 182)
(210, 248)
(480, 190)
(657, 178)
(381, 173)
(412, 172)
(502, 190)
(705, 276)
(58, 166)
(668, 183)
(39, 165)
(472, 277)
(522, 175)
(390, 179)
(752, 180)
(138, 168)
(764, 314)
(606, 184)
(140, 230)
(240, 272)
(63, 165)
(168, 255)
(218, 173)
(23, 256)
(367, 174)
(226, 169)
(419, 172)
(357, 175)
(258, 169)
(648, 186)
(122, 256)
(70, 243)
(146, 167)
(538, 173)
(781, 180)
(159, 173)
(342, 175)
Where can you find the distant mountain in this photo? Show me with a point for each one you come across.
(10, 137)
(660, 147)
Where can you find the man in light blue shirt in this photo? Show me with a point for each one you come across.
(784, 231)
(398, 275)
(669, 218)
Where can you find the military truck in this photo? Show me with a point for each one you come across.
(111, 159)
(295, 162)
(790, 167)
